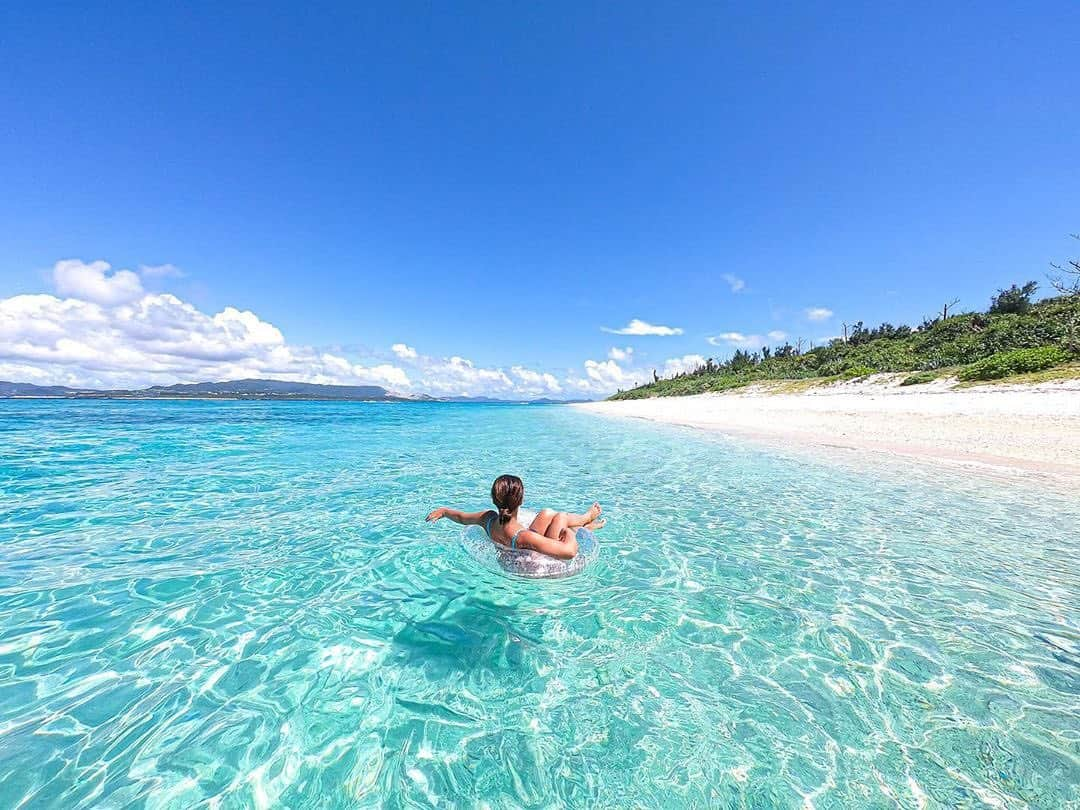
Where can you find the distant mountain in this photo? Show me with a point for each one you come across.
(269, 389)
(232, 389)
(12, 389)
(243, 389)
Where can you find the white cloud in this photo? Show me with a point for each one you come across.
(94, 282)
(537, 381)
(453, 376)
(336, 368)
(740, 340)
(608, 375)
(458, 376)
(640, 327)
(104, 330)
(737, 339)
(736, 283)
(726, 337)
(110, 333)
(681, 365)
(160, 271)
(819, 313)
(603, 377)
(159, 339)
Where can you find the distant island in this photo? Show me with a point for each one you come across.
(247, 390)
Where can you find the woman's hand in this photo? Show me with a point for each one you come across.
(436, 514)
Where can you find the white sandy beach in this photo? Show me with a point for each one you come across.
(1007, 428)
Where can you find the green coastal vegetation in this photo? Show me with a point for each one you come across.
(1016, 338)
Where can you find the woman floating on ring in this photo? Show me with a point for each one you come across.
(551, 533)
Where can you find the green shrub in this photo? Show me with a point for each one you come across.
(1019, 361)
(855, 372)
(973, 339)
(921, 378)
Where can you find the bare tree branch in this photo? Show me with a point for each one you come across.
(1067, 278)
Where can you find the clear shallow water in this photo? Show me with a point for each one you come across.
(231, 604)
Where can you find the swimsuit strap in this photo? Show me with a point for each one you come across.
(513, 540)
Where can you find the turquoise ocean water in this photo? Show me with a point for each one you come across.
(228, 604)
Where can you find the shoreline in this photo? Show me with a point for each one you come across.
(1012, 429)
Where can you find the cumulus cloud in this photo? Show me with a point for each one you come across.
(739, 340)
(104, 330)
(458, 376)
(607, 375)
(819, 313)
(95, 282)
(733, 281)
(336, 369)
(680, 365)
(158, 339)
(603, 377)
(540, 382)
(640, 327)
(726, 337)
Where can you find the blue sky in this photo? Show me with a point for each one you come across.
(499, 182)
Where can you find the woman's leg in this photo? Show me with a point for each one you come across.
(550, 523)
(542, 520)
(576, 521)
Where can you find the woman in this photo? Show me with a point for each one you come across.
(552, 533)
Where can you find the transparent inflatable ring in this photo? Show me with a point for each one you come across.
(525, 562)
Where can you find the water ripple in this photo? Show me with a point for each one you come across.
(237, 605)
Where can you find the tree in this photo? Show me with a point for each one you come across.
(1015, 300)
(1067, 278)
(740, 360)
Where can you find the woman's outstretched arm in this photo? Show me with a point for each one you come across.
(464, 518)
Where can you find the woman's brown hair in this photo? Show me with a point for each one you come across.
(507, 493)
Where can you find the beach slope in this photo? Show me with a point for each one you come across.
(1010, 428)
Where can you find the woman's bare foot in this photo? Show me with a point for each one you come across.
(594, 525)
(593, 513)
